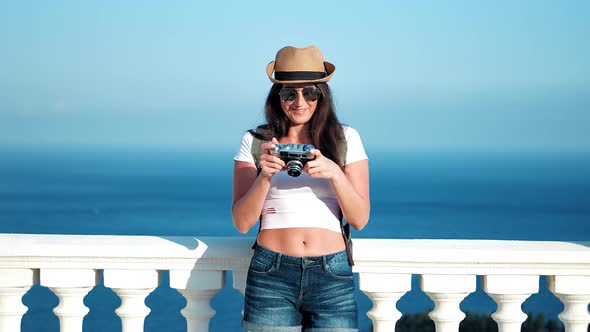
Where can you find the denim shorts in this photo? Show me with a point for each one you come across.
(286, 293)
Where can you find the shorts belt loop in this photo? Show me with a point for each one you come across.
(325, 263)
(278, 261)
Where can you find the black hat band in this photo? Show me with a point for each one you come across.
(298, 75)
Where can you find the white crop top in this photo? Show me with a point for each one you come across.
(302, 201)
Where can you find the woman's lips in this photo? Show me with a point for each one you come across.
(299, 110)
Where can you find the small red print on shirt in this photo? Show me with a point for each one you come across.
(270, 210)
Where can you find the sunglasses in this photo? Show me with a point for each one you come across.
(290, 94)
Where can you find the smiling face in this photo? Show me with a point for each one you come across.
(299, 111)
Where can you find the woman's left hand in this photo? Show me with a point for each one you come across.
(322, 167)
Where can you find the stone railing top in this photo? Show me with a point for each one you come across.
(371, 255)
(44, 245)
(484, 251)
(101, 251)
(472, 256)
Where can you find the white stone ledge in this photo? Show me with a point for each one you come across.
(472, 257)
(482, 251)
(483, 257)
(131, 265)
(51, 245)
(131, 252)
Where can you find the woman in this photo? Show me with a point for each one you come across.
(300, 277)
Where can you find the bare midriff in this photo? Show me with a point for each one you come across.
(300, 242)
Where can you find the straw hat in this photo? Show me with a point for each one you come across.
(300, 65)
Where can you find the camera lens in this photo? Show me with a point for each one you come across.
(294, 168)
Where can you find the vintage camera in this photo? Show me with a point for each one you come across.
(295, 155)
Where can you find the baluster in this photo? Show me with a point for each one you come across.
(14, 284)
(239, 282)
(447, 292)
(509, 292)
(70, 286)
(574, 292)
(198, 287)
(384, 290)
(132, 286)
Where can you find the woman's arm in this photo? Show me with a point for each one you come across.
(350, 184)
(352, 191)
(250, 188)
(248, 195)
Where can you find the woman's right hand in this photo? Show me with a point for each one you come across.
(269, 164)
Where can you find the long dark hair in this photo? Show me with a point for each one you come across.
(325, 129)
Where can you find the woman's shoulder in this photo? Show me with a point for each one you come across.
(355, 150)
(349, 132)
(244, 152)
(248, 137)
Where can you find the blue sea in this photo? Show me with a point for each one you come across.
(187, 192)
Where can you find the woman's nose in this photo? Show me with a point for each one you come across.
(300, 100)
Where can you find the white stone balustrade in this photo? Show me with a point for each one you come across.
(14, 284)
(71, 265)
(510, 292)
(384, 290)
(70, 286)
(574, 292)
(447, 292)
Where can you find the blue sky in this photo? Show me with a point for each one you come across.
(505, 75)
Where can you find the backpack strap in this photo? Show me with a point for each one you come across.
(347, 241)
(260, 135)
(345, 227)
(343, 150)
